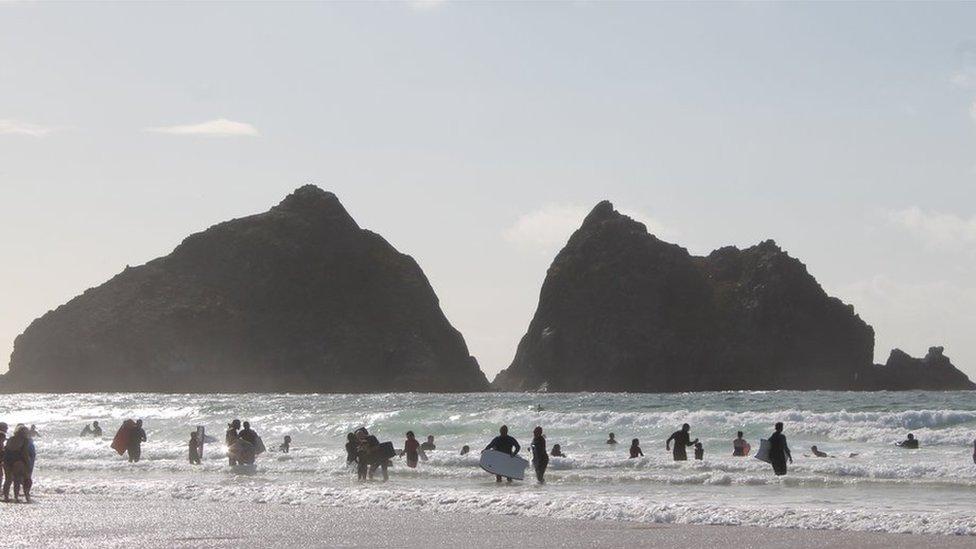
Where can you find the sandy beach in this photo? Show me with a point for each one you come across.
(74, 521)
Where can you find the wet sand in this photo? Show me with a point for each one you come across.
(75, 521)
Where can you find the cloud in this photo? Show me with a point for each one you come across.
(549, 227)
(14, 127)
(942, 231)
(220, 127)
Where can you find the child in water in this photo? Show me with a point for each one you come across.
(411, 449)
(193, 448)
(699, 451)
(557, 451)
(286, 445)
(635, 449)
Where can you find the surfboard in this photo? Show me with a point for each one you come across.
(763, 453)
(121, 441)
(497, 463)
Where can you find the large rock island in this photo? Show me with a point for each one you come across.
(621, 310)
(298, 298)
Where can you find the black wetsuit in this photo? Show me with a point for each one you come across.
(540, 459)
(352, 452)
(136, 439)
(505, 444)
(194, 451)
(681, 441)
(778, 453)
(250, 436)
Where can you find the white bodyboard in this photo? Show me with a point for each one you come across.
(763, 453)
(497, 463)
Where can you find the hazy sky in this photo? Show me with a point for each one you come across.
(474, 137)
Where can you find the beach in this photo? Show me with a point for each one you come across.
(68, 521)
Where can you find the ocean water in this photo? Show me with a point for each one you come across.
(883, 488)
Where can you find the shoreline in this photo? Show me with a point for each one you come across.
(64, 521)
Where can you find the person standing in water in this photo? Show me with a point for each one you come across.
(352, 444)
(230, 438)
(285, 446)
(682, 440)
(411, 449)
(540, 459)
(193, 449)
(635, 449)
(740, 448)
(429, 445)
(136, 438)
(249, 435)
(779, 451)
(699, 451)
(612, 439)
(504, 444)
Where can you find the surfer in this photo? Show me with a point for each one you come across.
(193, 448)
(817, 453)
(285, 446)
(465, 449)
(740, 447)
(557, 451)
(230, 438)
(910, 443)
(136, 438)
(411, 449)
(612, 439)
(635, 449)
(504, 444)
(682, 439)
(16, 458)
(779, 451)
(540, 459)
(699, 451)
(429, 445)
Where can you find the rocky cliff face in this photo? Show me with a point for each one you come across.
(298, 299)
(902, 372)
(621, 310)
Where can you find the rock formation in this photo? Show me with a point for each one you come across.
(902, 372)
(297, 299)
(621, 310)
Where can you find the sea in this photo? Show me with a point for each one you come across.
(868, 483)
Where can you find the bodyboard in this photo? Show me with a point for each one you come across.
(498, 463)
(121, 441)
(763, 453)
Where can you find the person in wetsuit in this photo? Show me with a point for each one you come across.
(429, 445)
(136, 438)
(635, 449)
(375, 462)
(682, 439)
(612, 439)
(362, 453)
(250, 435)
(504, 444)
(193, 449)
(779, 451)
(739, 445)
(411, 449)
(3, 441)
(557, 451)
(230, 438)
(352, 455)
(910, 443)
(540, 459)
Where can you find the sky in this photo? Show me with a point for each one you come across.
(476, 136)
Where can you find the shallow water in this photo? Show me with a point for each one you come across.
(884, 488)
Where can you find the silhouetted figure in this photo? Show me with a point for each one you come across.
(540, 459)
(16, 458)
(779, 451)
(247, 434)
(817, 453)
(429, 445)
(740, 447)
(974, 451)
(285, 446)
(411, 449)
(612, 439)
(682, 439)
(699, 451)
(352, 455)
(362, 451)
(193, 449)
(910, 443)
(375, 461)
(29, 478)
(504, 444)
(635, 449)
(96, 429)
(230, 438)
(33, 432)
(136, 439)
(557, 451)
(465, 449)
(3, 441)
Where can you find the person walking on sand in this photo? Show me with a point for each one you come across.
(740, 448)
(779, 451)
(136, 439)
(682, 440)
(504, 444)
(540, 459)
(635, 449)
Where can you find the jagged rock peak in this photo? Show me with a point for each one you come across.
(601, 212)
(311, 200)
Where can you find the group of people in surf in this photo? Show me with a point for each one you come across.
(17, 453)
